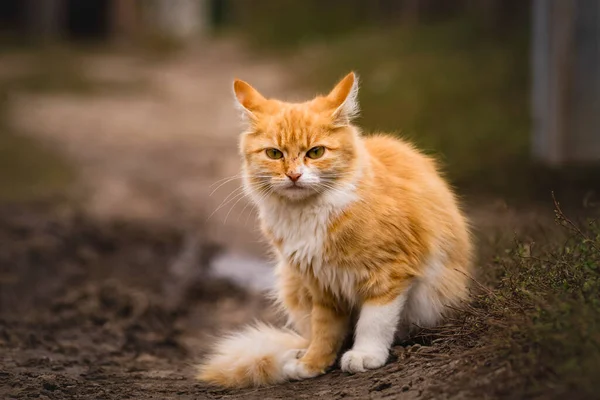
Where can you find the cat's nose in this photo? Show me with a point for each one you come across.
(294, 176)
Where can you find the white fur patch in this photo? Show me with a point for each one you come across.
(295, 370)
(374, 335)
(302, 230)
(424, 307)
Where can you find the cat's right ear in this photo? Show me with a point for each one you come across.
(248, 98)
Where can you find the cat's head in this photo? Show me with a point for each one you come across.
(297, 151)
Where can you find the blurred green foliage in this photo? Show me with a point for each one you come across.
(453, 77)
(455, 91)
(60, 69)
(548, 297)
(288, 24)
(28, 170)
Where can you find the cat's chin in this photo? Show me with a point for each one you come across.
(295, 193)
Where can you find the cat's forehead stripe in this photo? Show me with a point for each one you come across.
(293, 127)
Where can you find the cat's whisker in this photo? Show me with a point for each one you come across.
(226, 178)
(233, 206)
(336, 178)
(244, 209)
(228, 200)
(249, 215)
(264, 192)
(259, 186)
(225, 181)
(331, 187)
(233, 192)
(337, 174)
(234, 198)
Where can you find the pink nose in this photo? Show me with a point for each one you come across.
(294, 176)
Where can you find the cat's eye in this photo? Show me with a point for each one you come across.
(274, 154)
(315, 152)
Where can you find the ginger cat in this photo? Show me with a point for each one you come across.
(369, 238)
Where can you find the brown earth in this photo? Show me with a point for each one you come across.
(87, 312)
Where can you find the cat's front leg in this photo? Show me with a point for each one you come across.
(374, 334)
(295, 299)
(328, 330)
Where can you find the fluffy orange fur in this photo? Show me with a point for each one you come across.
(361, 226)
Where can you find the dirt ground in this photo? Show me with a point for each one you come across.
(115, 299)
(87, 312)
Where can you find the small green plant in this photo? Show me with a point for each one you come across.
(559, 292)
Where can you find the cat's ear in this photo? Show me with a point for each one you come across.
(344, 100)
(248, 98)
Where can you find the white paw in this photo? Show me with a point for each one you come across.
(359, 361)
(295, 369)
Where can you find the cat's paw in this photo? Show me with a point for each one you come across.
(359, 361)
(296, 370)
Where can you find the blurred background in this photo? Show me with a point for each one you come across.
(120, 205)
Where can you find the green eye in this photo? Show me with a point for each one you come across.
(274, 154)
(315, 152)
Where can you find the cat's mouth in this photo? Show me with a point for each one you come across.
(296, 191)
(295, 187)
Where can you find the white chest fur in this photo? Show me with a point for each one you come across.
(302, 231)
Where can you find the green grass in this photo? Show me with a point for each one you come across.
(454, 89)
(549, 304)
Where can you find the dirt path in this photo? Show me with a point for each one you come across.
(84, 314)
(154, 153)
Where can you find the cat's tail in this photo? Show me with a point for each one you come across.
(251, 357)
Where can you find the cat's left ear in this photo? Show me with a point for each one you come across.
(249, 99)
(344, 100)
